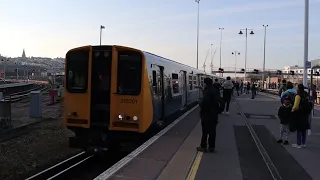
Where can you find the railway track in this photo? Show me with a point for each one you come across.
(59, 169)
(15, 97)
(80, 166)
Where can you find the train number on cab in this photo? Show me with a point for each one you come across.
(128, 101)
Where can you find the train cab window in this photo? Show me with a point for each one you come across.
(190, 82)
(129, 72)
(175, 83)
(194, 80)
(77, 63)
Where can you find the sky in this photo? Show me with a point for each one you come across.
(167, 28)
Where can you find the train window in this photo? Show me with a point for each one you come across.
(195, 80)
(154, 82)
(154, 78)
(129, 72)
(175, 83)
(190, 82)
(202, 78)
(77, 71)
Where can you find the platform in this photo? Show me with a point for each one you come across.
(173, 155)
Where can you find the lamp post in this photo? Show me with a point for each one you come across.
(306, 36)
(235, 53)
(221, 29)
(101, 27)
(211, 65)
(198, 1)
(245, 55)
(264, 53)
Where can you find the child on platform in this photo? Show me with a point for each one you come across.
(284, 114)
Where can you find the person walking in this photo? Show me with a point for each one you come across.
(209, 116)
(237, 87)
(253, 91)
(248, 88)
(227, 93)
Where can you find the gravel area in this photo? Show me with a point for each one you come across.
(43, 145)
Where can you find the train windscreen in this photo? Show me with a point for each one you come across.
(77, 71)
(129, 72)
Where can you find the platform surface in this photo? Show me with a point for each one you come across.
(173, 156)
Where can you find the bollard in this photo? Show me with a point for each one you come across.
(35, 104)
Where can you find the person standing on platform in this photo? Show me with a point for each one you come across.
(217, 84)
(253, 90)
(209, 116)
(227, 93)
(291, 92)
(284, 114)
(241, 87)
(283, 87)
(300, 112)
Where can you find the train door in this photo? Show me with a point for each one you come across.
(101, 86)
(158, 91)
(184, 92)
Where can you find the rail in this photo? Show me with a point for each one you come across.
(62, 167)
(14, 97)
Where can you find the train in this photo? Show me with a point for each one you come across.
(118, 94)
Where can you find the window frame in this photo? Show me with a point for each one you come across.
(86, 72)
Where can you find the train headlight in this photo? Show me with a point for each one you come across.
(120, 117)
(135, 118)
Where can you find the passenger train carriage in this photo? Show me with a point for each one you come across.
(117, 93)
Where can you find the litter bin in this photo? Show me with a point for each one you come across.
(35, 104)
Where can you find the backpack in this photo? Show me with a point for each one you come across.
(305, 106)
(292, 97)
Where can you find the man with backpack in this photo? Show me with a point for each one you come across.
(291, 92)
(211, 105)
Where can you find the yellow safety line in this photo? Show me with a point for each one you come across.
(195, 166)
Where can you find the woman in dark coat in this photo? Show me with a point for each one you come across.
(300, 119)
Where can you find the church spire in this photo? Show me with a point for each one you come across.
(23, 54)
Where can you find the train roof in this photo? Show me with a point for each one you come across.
(163, 58)
(160, 57)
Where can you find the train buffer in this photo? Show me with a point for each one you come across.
(246, 148)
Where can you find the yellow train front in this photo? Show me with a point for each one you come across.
(116, 93)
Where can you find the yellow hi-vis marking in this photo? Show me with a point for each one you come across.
(195, 166)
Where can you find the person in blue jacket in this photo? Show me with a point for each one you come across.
(291, 92)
